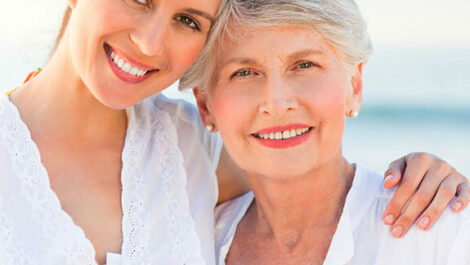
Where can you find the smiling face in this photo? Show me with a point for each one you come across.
(127, 50)
(279, 100)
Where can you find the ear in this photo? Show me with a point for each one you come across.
(356, 82)
(72, 3)
(204, 110)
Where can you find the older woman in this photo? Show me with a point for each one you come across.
(287, 74)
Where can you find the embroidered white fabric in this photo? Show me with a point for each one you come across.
(169, 191)
(361, 238)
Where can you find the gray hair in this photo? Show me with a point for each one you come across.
(338, 22)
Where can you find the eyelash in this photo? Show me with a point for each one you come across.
(189, 22)
(309, 65)
(238, 73)
(249, 72)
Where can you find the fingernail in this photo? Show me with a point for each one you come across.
(389, 178)
(423, 223)
(388, 220)
(397, 230)
(456, 206)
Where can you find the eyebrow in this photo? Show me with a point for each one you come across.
(294, 56)
(240, 61)
(200, 13)
(304, 53)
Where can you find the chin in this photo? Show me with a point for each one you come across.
(117, 101)
(288, 171)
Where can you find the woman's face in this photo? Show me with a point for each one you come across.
(127, 50)
(279, 100)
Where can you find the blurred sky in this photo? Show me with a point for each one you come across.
(406, 34)
(419, 74)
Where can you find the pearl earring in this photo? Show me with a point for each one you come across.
(210, 127)
(353, 113)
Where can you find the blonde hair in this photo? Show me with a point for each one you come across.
(63, 27)
(339, 22)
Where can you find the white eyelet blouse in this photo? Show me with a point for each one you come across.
(169, 191)
(361, 237)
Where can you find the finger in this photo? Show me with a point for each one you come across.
(417, 204)
(416, 167)
(463, 197)
(444, 196)
(394, 172)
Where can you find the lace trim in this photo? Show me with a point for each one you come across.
(134, 191)
(169, 167)
(182, 233)
(46, 209)
(14, 253)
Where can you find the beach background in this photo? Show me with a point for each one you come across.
(417, 82)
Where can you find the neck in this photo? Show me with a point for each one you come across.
(288, 211)
(57, 104)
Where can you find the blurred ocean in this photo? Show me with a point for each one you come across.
(414, 100)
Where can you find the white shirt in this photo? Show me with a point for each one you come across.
(361, 237)
(169, 191)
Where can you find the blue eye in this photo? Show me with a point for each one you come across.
(188, 22)
(242, 73)
(305, 65)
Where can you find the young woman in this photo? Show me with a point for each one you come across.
(309, 205)
(94, 169)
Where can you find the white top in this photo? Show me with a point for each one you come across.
(168, 193)
(361, 237)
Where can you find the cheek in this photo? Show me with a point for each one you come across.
(327, 105)
(325, 96)
(184, 51)
(233, 113)
(91, 23)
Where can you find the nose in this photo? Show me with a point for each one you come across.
(151, 35)
(279, 98)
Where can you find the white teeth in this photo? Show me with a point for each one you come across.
(271, 136)
(283, 135)
(133, 71)
(126, 66)
(292, 133)
(120, 63)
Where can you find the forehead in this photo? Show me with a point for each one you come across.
(271, 41)
(209, 6)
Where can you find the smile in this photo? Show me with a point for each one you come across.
(283, 135)
(126, 68)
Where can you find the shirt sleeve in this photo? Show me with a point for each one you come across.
(460, 252)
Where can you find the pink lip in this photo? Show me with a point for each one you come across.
(273, 143)
(124, 76)
(283, 128)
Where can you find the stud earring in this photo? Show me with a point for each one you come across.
(353, 113)
(210, 127)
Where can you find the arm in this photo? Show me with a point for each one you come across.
(231, 179)
(426, 186)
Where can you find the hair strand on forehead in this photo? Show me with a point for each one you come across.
(63, 27)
